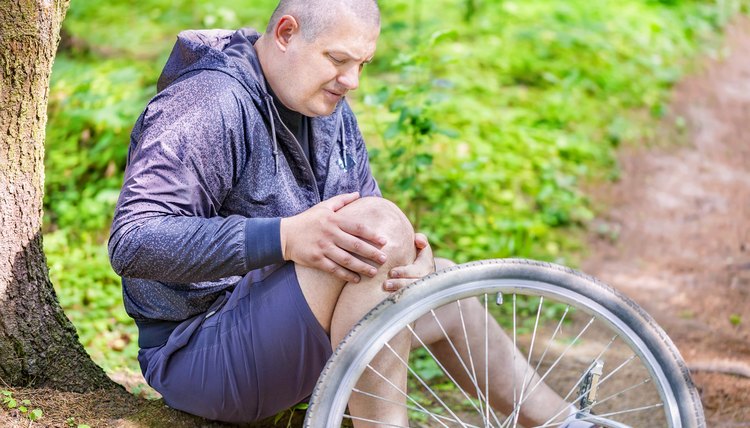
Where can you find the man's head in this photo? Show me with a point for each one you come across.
(313, 51)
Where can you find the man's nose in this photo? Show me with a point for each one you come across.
(350, 78)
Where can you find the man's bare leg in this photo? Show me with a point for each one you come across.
(339, 305)
(541, 406)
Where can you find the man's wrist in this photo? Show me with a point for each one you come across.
(282, 238)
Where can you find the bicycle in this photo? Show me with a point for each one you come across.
(603, 353)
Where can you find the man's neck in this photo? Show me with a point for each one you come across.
(263, 48)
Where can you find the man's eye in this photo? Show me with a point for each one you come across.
(335, 60)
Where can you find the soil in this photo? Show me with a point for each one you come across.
(675, 236)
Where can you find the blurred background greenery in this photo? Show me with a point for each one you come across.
(484, 119)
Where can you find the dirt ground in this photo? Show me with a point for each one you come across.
(675, 235)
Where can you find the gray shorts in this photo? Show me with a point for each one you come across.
(260, 352)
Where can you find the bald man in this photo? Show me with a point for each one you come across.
(250, 234)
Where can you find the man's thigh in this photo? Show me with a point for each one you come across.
(321, 291)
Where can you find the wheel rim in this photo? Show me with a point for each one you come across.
(508, 287)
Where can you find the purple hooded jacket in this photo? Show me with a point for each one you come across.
(211, 171)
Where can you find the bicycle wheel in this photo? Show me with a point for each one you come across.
(594, 347)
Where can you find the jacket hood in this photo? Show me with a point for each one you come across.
(209, 50)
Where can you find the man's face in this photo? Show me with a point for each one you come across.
(322, 71)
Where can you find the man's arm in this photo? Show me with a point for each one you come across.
(167, 225)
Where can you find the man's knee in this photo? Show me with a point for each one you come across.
(385, 217)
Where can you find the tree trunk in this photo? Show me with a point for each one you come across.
(38, 344)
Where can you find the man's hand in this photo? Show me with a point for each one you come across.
(320, 239)
(423, 265)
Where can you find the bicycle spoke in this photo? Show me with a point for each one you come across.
(638, 409)
(583, 375)
(552, 338)
(445, 371)
(624, 363)
(528, 358)
(412, 408)
(565, 351)
(580, 379)
(480, 395)
(486, 360)
(617, 394)
(607, 415)
(471, 362)
(516, 410)
(357, 418)
(601, 382)
(405, 394)
(549, 343)
(453, 347)
(424, 384)
(556, 362)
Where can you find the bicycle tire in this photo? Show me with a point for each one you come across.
(682, 405)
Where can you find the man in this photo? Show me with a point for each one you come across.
(250, 234)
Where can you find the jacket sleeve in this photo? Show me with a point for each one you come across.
(185, 155)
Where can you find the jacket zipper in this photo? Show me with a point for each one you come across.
(299, 149)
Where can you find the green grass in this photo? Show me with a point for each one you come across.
(483, 119)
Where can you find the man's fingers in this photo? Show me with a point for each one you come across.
(328, 265)
(420, 240)
(351, 263)
(397, 284)
(414, 271)
(423, 265)
(340, 201)
(363, 249)
(363, 231)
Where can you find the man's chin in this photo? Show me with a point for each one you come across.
(325, 110)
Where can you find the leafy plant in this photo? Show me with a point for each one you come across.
(290, 411)
(22, 406)
(71, 422)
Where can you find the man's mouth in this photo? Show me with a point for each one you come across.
(334, 93)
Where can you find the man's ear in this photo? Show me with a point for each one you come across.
(286, 28)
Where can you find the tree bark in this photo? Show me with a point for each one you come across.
(38, 344)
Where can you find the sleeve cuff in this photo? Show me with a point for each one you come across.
(263, 242)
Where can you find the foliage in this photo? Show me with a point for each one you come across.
(483, 119)
(90, 292)
(288, 414)
(23, 406)
(91, 109)
(538, 94)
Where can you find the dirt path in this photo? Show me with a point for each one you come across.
(681, 218)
